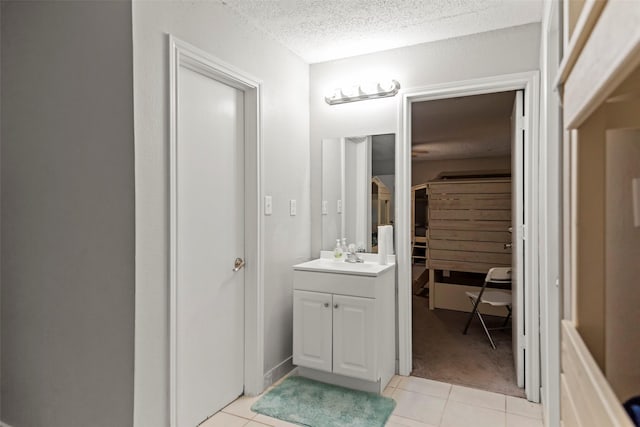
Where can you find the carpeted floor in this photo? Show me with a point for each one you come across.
(441, 352)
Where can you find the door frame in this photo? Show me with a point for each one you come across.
(187, 55)
(530, 82)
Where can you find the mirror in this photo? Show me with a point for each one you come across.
(358, 189)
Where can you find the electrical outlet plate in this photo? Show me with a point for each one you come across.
(268, 205)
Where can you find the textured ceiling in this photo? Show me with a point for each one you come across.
(465, 127)
(323, 30)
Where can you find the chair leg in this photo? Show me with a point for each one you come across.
(486, 331)
(475, 308)
(506, 320)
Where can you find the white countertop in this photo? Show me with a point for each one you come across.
(327, 264)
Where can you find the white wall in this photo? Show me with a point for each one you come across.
(428, 170)
(481, 55)
(285, 124)
(67, 214)
(550, 205)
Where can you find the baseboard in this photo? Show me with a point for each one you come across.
(277, 372)
(341, 380)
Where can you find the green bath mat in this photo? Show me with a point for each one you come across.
(311, 403)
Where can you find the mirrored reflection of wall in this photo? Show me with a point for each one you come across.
(332, 190)
(383, 184)
(357, 197)
(358, 186)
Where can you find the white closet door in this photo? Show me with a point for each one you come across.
(209, 186)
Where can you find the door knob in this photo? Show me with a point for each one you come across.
(335, 306)
(508, 245)
(238, 264)
(326, 304)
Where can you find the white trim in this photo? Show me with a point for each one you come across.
(589, 395)
(184, 54)
(520, 178)
(529, 81)
(551, 154)
(280, 370)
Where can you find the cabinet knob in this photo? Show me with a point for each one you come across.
(335, 306)
(326, 304)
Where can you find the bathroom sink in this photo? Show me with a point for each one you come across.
(370, 267)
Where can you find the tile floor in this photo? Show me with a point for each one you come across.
(420, 403)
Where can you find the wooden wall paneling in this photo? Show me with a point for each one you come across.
(468, 223)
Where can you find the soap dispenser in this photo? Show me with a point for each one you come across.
(337, 252)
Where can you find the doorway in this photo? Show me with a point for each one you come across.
(215, 235)
(528, 345)
(461, 216)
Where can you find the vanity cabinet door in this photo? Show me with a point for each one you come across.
(354, 349)
(312, 330)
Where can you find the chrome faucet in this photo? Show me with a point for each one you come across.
(352, 256)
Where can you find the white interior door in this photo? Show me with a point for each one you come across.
(209, 197)
(517, 236)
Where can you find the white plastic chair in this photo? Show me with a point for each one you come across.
(497, 277)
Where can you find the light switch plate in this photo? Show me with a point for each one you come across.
(325, 211)
(292, 207)
(268, 205)
(339, 206)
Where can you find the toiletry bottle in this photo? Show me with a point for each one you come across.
(337, 252)
(344, 246)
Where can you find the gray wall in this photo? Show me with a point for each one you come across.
(213, 27)
(67, 214)
(511, 50)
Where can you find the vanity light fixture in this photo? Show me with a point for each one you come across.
(362, 92)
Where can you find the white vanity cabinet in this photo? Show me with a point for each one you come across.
(344, 325)
(354, 350)
(335, 333)
(313, 330)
